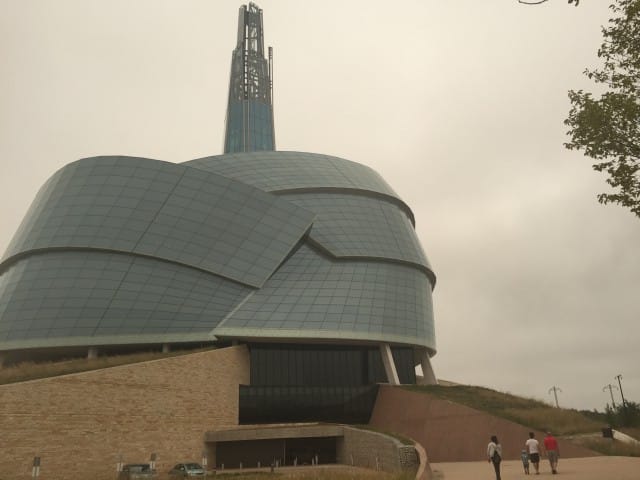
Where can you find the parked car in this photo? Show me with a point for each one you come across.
(187, 470)
(136, 471)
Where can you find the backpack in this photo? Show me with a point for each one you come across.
(496, 456)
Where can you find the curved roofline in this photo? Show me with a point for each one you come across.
(13, 259)
(237, 334)
(332, 336)
(106, 340)
(322, 250)
(292, 155)
(352, 191)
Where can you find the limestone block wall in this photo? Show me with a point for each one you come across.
(374, 450)
(79, 424)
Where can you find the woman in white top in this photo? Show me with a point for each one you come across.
(494, 454)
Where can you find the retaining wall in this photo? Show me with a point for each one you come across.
(79, 424)
(450, 432)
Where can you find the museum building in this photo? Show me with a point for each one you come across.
(310, 260)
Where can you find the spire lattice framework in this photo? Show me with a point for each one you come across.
(249, 123)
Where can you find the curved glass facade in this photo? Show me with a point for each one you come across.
(312, 297)
(279, 246)
(59, 298)
(283, 171)
(358, 226)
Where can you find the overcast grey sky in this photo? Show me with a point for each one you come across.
(458, 104)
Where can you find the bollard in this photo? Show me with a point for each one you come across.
(35, 471)
(119, 463)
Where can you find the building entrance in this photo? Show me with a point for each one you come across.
(283, 451)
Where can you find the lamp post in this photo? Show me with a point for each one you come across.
(610, 387)
(555, 391)
(619, 377)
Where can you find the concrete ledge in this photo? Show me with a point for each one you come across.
(353, 446)
(274, 432)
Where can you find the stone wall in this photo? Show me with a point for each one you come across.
(364, 448)
(79, 424)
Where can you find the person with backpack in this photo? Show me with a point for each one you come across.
(494, 454)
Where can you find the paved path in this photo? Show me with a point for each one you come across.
(593, 468)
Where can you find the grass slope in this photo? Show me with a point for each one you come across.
(33, 371)
(582, 427)
(525, 411)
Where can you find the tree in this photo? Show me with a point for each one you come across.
(623, 415)
(607, 129)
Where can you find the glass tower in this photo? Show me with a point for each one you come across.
(249, 123)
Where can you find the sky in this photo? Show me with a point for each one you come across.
(459, 105)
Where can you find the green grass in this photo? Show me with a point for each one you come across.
(32, 371)
(525, 411)
(606, 446)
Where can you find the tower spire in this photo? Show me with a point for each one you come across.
(249, 123)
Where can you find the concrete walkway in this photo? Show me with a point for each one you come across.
(593, 468)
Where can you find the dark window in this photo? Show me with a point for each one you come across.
(303, 404)
(297, 382)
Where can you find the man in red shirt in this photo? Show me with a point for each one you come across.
(551, 446)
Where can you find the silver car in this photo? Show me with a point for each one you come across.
(187, 470)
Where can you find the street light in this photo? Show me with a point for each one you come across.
(555, 391)
(610, 387)
(619, 377)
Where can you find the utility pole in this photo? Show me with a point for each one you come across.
(610, 387)
(624, 403)
(555, 391)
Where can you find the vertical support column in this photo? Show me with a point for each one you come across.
(428, 375)
(92, 353)
(389, 364)
(166, 348)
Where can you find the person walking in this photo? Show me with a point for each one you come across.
(524, 456)
(533, 449)
(494, 454)
(553, 452)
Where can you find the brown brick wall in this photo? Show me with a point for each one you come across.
(80, 423)
(450, 432)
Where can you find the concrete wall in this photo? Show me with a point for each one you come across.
(450, 432)
(368, 449)
(80, 423)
